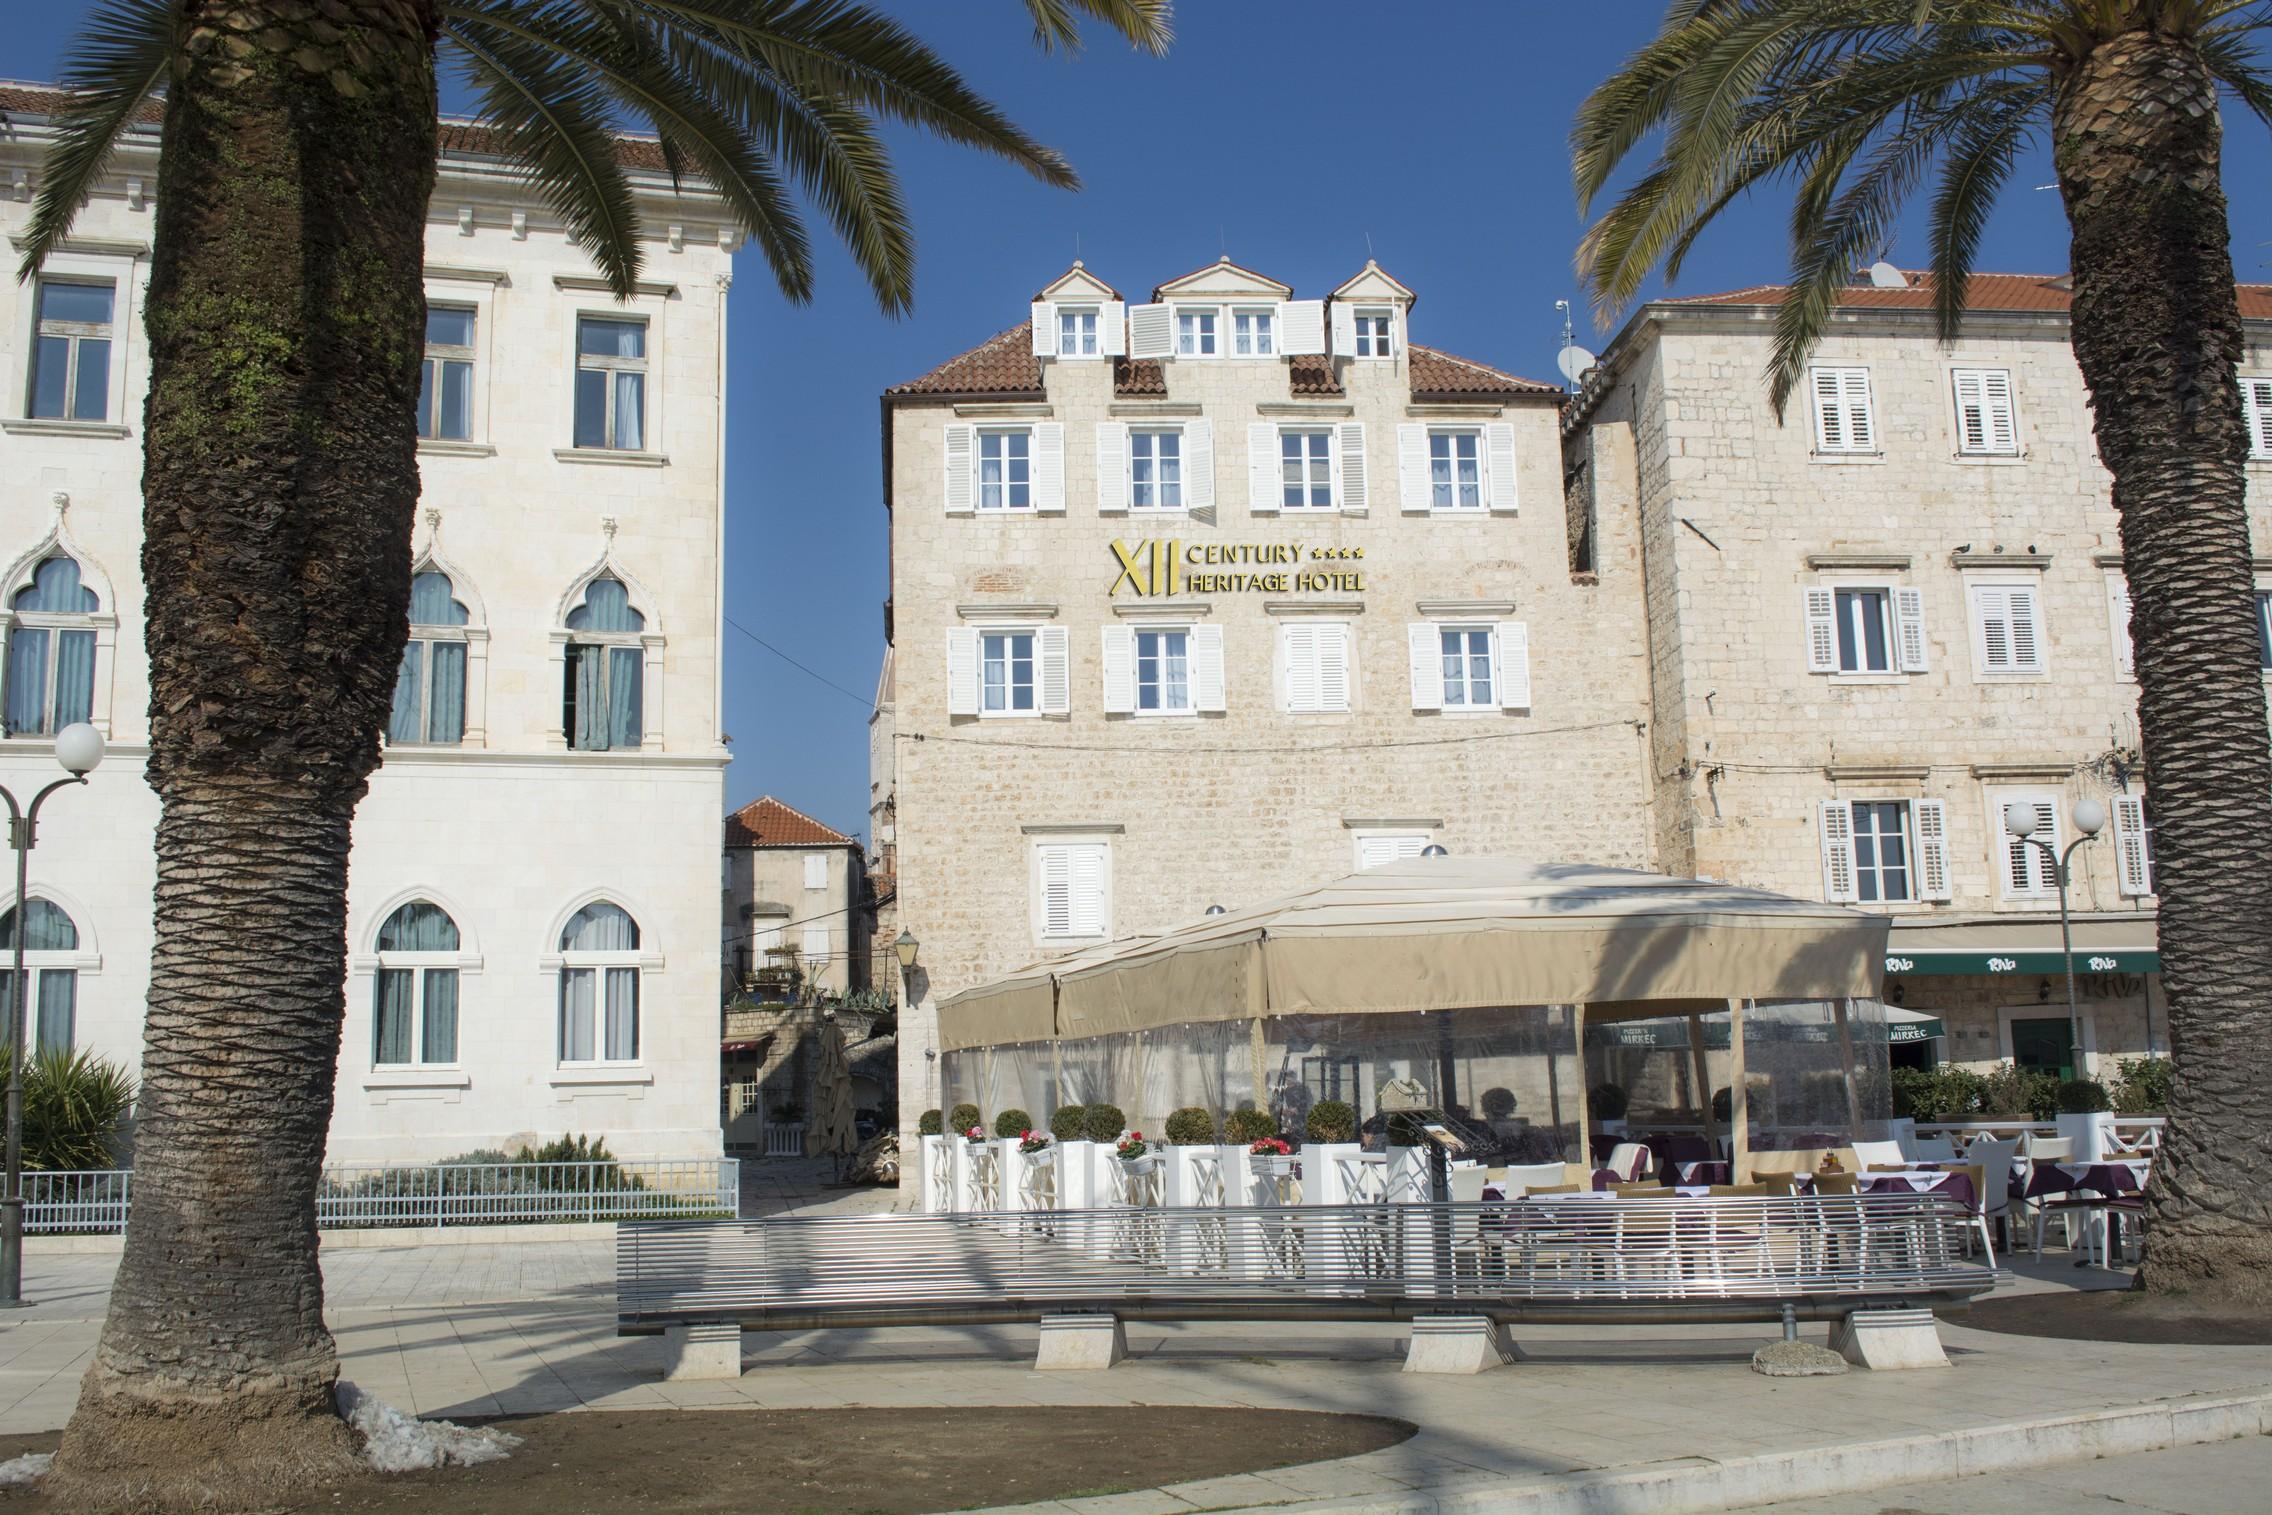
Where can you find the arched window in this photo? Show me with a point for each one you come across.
(599, 986)
(51, 650)
(414, 1017)
(602, 706)
(51, 945)
(429, 693)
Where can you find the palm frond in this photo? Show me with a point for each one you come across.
(1979, 163)
(1147, 24)
(125, 52)
(2231, 55)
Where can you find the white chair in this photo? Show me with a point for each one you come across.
(1879, 1155)
(1934, 1149)
(1521, 1180)
(1629, 1160)
(1995, 1160)
(1467, 1185)
(2049, 1149)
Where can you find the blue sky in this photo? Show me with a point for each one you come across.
(1285, 132)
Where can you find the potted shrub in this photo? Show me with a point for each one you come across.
(938, 1162)
(1065, 1125)
(962, 1117)
(1103, 1123)
(1332, 1130)
(1332, 1120)
(1191, 1127)
(1012, 1122)
(1191, 1157)
(2086, 1117)
(1135, 1154)
(1244, 1127)
(1076, 1158)
(929, 1123)
(1608, 1103)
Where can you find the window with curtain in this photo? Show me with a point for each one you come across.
(51, 651)
(429, 692)
(51, 945)
(445, 379)
(70, 377)
(611, 383)
(599, 986)
(414, 1016)
(602, 705)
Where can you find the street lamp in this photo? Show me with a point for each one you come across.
(907, 946)
(2021, 821)
(78, 747)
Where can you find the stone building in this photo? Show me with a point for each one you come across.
(796, 897)
(1875, 623)
(531, 868)
(1199, 600)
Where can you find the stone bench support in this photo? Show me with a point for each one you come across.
(704, 1351)
(1887, 1339)
(1081, 1343)
(1458, 1344)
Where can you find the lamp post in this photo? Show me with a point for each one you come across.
(905, 949)
(2022, 823)
(78, 747)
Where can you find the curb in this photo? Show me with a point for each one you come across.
(1698, 1486)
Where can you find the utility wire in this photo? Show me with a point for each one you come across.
(860, 699)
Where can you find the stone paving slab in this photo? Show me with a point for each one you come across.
(2220, 1478)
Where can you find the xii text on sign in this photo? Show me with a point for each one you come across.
(1164, 566)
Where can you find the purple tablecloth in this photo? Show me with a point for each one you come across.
(1958, 1186)
(2066, 1178)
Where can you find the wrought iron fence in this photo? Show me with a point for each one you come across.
(785, 1139)
(439, 1194)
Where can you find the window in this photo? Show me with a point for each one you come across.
(1195, 333)
(1842, 417)
(2027, 871)
(445, 379)
(1254, 333)
(1878, 852)
(2007, 632)
(1865, 629)
(1005, 470)
(1163, 671)
(429, 692)
(1377, 847)
(1316, 659)
(1155, 470)
(611, 383)
(1986, 425)
(1881, 851)
(2264, 629)
(414, 1012)
(599, 986)
(1373, 332)
(51, 947)
(1071, 889)
(1306, 466)
(2118, 623)
(1005, 670)
(1455, 470)
(70, 378)
(51, 651)
(816, 870)
(2134, 845)
(2256, 414)
(603, 704)
(1077, 332)
(1468, 669)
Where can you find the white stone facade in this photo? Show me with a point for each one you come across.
(509, 829)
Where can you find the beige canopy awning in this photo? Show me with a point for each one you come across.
(1448, 933)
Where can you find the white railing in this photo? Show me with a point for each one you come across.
(785, 1140)
(439, 1194)
(2133, 1131)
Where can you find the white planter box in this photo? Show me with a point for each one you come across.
(1409, 1179)
(1194, 1176)
(938, 1175)
(1325, 1172)
(1076, 1175)
(2092, 1133)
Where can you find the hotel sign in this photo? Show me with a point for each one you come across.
(1158, 566)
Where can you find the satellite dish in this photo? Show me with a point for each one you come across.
(1884, 275)
(1574, 361)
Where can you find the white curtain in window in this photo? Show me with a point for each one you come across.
(578, 996)
(445, 718)
(587, 670)
(393, 1011)
(622, 1014)
(630, 411)
(600, 927)
(439, 1044)
(58, 1008)
(624, 721)
(27, 681)
(402, 720)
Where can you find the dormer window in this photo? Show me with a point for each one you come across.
(1195, 333)
(1077, 331)
(1374, 324)
(1254, 333)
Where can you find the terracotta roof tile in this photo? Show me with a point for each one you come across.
(1997, 292)
(1003, 364)
(1312, 375)
(1441, 373)
(766, 822)
(1139, 376)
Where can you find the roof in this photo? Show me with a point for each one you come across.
(2045, 293)
(459, 137)
(1442, 373)
(766, 822)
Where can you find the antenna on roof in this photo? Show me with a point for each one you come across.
(1368, 246)
(1884, 275)
(1573, 360)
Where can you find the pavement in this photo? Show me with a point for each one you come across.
(2224, 1478)
(1592, 1419)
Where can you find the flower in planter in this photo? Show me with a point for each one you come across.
(975, 1134)
(1132, 1146)
(1030, 1142)
(1271, 1146)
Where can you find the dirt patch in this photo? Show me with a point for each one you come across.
(2118, 1315)
(837, 1462)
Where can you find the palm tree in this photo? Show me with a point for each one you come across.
(284, 314)
(1857, 103)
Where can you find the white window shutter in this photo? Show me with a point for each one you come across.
(1055, 655)
(2256, 409)
(962, 459)
(2118, 625)
(1909, 628)
(1297, 653)
(1344, 330)
(1044, 329)
(1349, 467)
(1425, 642)
(1301, 328)
(2003, 416)
(1861, 425)
(1513, 641)
(816, 870)
(1049, 468)
(1088, 891)
(1837, 826)
(1112, 468)
(1829, 417)
(1199, 465)
(2131, 861)
(1119, 670)
(1932, 822)
(962, 670)
(1412, 467)
(1333, 667)
(1971, 409)
(1499, 466)
(2027, 629)
(1151, 331)
(1822, 631)
(1263, 490)
(1057, 891)
(1207, 669)
(1112, 328)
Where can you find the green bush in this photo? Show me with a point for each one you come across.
(1498, 1104)
(1607, 1101)
(2083, 1096)
(930, 1123)
(2143, 1088)
(1248, 1126)
(1103, 1123)
(1332, 1120)
(2009, 1090)
(962, 1117)
(1404, 1131)
(1938, 1094)
(1065, 1125)
(75, 1107)
(1191, 1127)
(1012, 1123)
(578, 1149)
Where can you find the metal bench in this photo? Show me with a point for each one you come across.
(1081, 1273)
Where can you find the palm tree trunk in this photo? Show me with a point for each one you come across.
(2157, 332)
(285, 317)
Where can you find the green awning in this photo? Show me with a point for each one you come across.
(1938, 946)
(1908, 1033)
